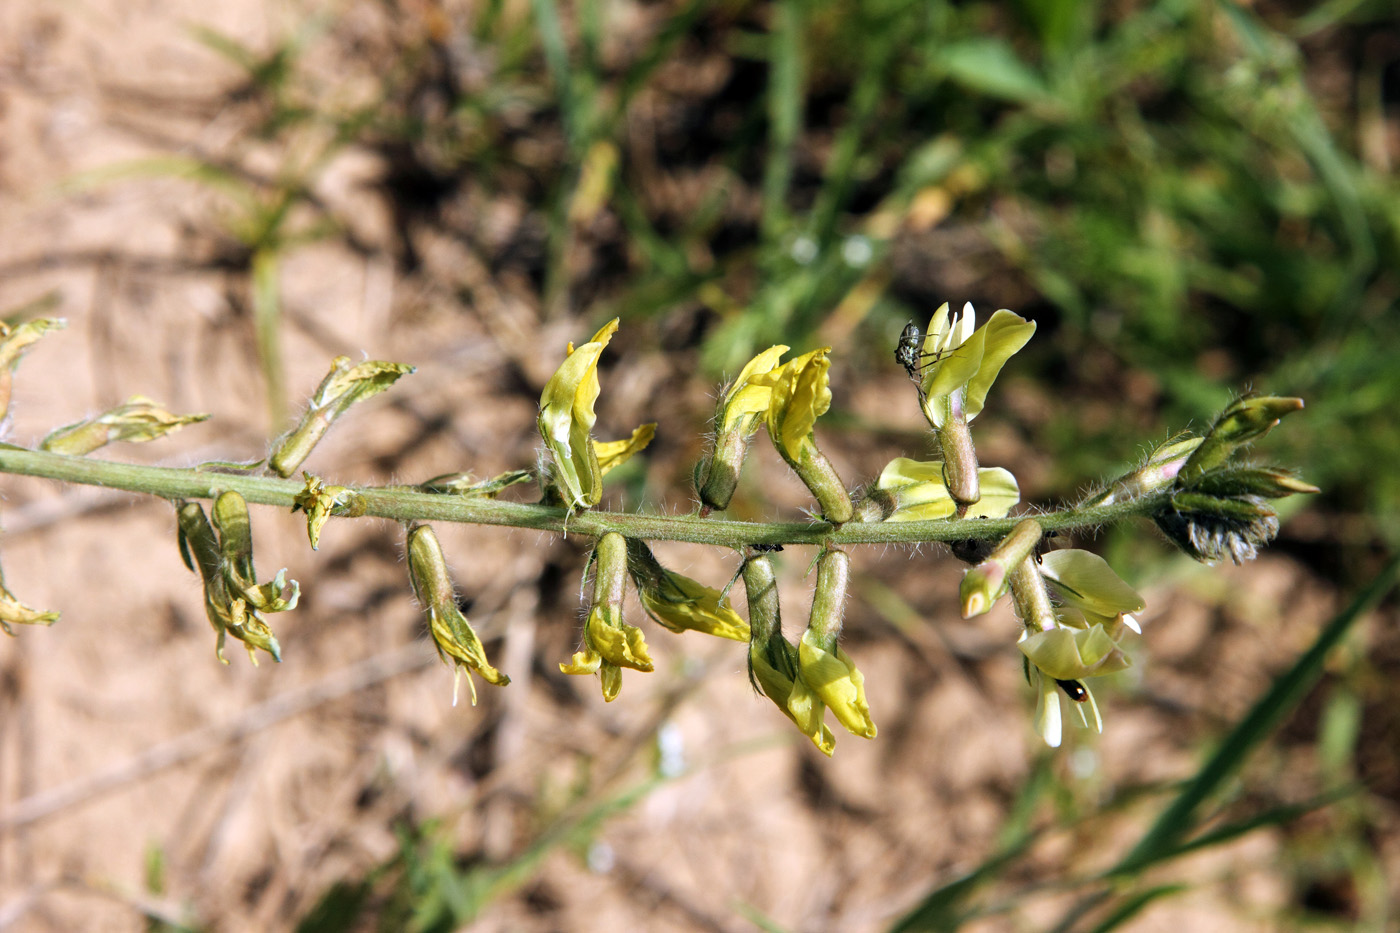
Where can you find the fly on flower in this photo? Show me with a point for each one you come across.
(908, 354)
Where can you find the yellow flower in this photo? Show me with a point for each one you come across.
(750, 395)
(678, 602)
(744, 404)
(452, 634)
(914, 491)
(964, 362)
(834, 678)
(1094, 594)
(801, 393)
(609, 644)
(773, 665)
(567, 417)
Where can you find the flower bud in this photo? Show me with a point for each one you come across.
(1246, 419)
(1158, 472)
(456, 641)
(343, 386)
(1212, 528)
(137, 421)
(984, 584)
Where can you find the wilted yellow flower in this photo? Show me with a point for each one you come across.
(14, 612)
(230, 519)
(228, 613)
(14, 343)
(453, 636)
(567, 417)
(320, 502)
(138, 420)
(343, 386)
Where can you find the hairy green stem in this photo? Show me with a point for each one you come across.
(406, 505)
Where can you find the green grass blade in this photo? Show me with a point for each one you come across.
(267, 318)
(1134, 905)
(1267, 714)
(785, 97)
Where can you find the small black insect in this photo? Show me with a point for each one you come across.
(766, 548)
(908, 352)
(1074, 690)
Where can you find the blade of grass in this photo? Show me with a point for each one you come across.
(785, 94)
(267, 316)
(1287, 691)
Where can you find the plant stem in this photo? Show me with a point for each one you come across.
(406, 504)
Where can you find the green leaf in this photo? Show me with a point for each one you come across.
(992, 67)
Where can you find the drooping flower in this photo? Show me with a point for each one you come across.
(609, 644)
(456, 641)
(228, 609)
(679, 603)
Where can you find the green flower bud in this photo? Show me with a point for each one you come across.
(320, 502)
(1251, 481)
(137, 421)
(1158, 472)
(678, 602)
(609, 644)
(456, 642)
(1246, 419)
(343, 386)
(984, 584)
(1212, 528)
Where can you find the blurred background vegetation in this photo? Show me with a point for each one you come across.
(1192, 198)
